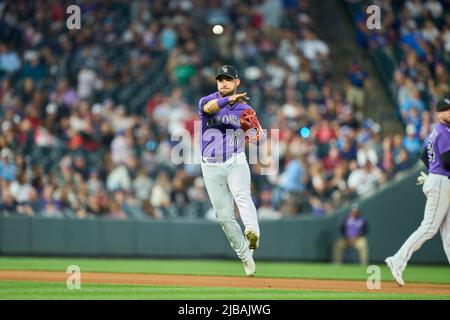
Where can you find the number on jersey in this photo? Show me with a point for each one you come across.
(430, 151)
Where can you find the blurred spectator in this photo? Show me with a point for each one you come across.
(88, 82)
(25, 195)
(354, 234)
(332, 159)
(8, 168)
(63, 94)
(198, 198)
(8, 204)
(69, 202)
(142, 186)
(356, 85)
(160, 198)
(387, 161)
(425, 126)
(80, 166)
(97, 205)
(338, 183)
(318, 207)
(402, 161)
(48, 205)
(272, 12)
(94, 183)
(122, 147)
(313, 48)
(33, 67)
(364, 180)
(118, 179)
(411, 142)
(9, 60)
(116, 211)
(178, 194)
(292, 179)
(265, 210)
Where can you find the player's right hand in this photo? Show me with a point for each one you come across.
(238, 97)
(421, 179)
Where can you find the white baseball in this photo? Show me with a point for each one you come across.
(217, 29)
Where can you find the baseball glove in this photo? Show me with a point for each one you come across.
(250, 121)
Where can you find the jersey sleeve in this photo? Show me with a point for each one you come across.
(424, 157)
(204, 101)
(244, 106)
(443, 141)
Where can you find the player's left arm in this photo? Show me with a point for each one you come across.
(443, 142)
(424, 158)
(445, 160)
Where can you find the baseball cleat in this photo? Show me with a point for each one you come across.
(250, 267)
(396, 274)
(253, 239)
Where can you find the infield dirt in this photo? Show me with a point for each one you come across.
(221, 281)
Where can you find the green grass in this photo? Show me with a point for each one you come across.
(414, 273)
(52, 290)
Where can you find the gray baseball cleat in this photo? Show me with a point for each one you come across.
(253, 239)
(250, 267)
(395, 273)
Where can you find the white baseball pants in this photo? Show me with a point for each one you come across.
(436, 217)
(227, 181)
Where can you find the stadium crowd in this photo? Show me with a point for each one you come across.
(87, 115)
(415, 35)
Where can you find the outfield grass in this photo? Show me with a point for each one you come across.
(12, 290)
(54, 290)
(414, 273)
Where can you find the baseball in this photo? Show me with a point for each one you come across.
(217, 29)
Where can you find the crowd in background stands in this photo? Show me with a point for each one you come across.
(415, 35)
(86, 115)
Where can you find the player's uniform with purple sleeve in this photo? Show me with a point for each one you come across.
(438, 144)
(226, 172)
(221, 134)
(437, 191)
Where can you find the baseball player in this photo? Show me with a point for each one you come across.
(225, 115)
(436, 186)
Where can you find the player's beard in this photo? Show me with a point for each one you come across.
(227, 93)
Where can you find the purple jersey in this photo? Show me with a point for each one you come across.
(354, 227)
(221, 135)
(438, 144)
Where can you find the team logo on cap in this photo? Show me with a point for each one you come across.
(225, 69)
(447, 101)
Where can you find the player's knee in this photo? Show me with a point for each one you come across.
(243, 199)
(224, 218)
(429, 231)
(432, 232)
